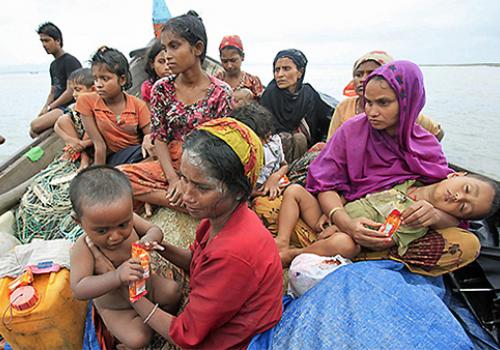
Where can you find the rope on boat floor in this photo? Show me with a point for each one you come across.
(45, 208)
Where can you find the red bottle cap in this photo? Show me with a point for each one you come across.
(24, 298)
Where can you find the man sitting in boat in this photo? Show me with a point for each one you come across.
(60, 95)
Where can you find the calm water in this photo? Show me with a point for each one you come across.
(463, 99)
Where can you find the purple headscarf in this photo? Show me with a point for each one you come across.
(359, 159)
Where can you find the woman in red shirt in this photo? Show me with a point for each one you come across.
(234, 266)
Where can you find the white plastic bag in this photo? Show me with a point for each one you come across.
(7, 229)
(307, 270)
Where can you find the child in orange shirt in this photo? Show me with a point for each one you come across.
(69, 126)
(116, 122)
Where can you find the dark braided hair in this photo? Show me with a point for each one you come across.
(190, 27)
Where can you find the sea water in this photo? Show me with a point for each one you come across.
(463, 99)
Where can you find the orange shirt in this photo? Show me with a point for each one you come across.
(118, 131)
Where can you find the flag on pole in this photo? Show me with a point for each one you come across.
(161, 15)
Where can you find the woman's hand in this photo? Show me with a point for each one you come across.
(420, 214)
(147, 147)
(175, 192)
(102, 264)
(366, 236)
(322, 223)
(150, 243)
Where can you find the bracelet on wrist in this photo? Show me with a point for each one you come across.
(332, 213)
(151, 313)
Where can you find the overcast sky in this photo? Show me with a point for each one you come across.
(329, 32)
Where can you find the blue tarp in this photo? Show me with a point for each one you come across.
(370, 305)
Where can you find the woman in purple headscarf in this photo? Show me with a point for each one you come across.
(381, 148)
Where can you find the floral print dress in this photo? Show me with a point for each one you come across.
(171, 121)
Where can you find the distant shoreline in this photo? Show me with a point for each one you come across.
(459, 64)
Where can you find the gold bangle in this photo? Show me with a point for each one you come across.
(332, 213)
(151, 313)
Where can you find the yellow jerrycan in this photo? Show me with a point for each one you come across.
(42, 315)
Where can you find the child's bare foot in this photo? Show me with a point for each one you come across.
(327, 232)
(287, 255)
(84, 161)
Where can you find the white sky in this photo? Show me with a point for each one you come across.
(328, 32)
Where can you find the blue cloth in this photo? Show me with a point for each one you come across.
(369, 305)
(129, 155)
(90, 341)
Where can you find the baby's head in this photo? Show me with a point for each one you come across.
(241, 97)
(81, 81)
(101, 197)
(256, 117)
(467, 196)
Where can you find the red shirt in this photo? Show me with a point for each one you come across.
(236, 284)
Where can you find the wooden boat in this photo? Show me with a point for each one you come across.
(478, 283)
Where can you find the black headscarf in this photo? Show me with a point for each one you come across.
(290, 108)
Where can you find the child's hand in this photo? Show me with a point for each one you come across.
(271, 186)
(130, 271)
(322, 223)
(148, 149)
(420, 214)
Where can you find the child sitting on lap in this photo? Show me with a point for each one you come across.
(273, 174)
(69, 126)
(102, 203)
(464, 197)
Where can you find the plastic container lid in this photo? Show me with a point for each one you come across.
(24, 298)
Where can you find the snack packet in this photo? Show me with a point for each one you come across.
(392, 223)
(137, 289)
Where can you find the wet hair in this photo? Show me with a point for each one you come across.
(256, 117)
(115, 62)
(219, 161)
(50, 29)
(82, 76)
(495, 203)
(150, 56)
(190, 27)
(101, 184)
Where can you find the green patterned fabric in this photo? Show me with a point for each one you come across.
(377, 207)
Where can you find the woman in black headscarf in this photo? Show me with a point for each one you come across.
(301, 117)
